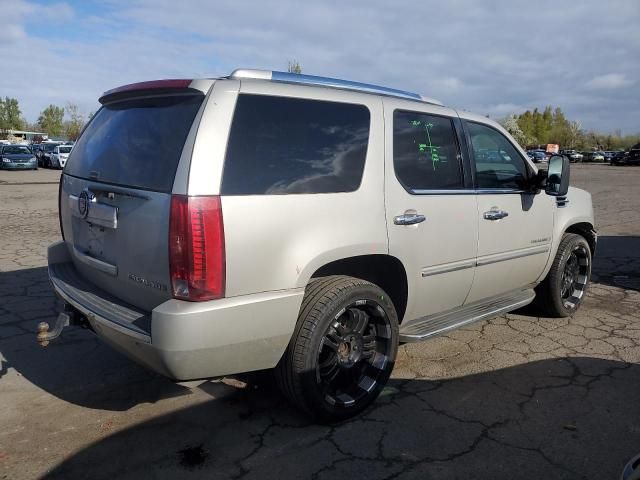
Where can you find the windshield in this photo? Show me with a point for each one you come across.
(136, 143)
(48, 147)
(64, 149)
(16, 149)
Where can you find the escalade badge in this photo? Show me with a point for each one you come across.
(84, 200)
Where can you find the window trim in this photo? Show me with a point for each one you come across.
(293, 97)
(464, 189)
(493, 191)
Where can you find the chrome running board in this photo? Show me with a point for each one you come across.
(425, 327)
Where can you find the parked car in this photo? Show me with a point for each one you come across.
(573, 155)
(539, 156)
(59, 155)
(17, 157)
(632, 157)
(618, 158)
(597, 157)
(46, 148)
(275, 220)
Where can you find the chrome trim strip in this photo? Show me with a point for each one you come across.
(449, 267)
(462, 191)
(95, 263)
(468, 191)
(497, 191)
(101, 320)
(501, 257)
(486, 260)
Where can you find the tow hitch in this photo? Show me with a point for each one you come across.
(66, 318)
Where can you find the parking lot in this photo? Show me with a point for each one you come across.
(514, 397)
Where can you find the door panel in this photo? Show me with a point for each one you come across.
(424, 176)
(512, 251)
(514, 225)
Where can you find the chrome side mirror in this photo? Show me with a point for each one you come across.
(558, 176)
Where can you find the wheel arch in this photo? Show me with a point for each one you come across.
(586, 230)
(385, 271)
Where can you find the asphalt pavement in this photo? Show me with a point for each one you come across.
(517, 396)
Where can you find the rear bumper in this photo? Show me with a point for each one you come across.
(184, 340)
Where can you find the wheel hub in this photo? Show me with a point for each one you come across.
(350, 349)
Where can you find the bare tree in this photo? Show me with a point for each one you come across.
(76, 121)
(294, 67)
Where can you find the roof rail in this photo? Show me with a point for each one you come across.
(329, 82)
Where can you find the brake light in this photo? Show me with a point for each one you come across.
(196, 248)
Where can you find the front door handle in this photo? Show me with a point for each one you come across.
(495, 214)
(409, 219)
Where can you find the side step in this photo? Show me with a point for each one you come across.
(432, 325)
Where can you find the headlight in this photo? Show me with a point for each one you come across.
(32, 159)
(5, 160)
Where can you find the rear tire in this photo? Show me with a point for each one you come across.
(343, 348)
(564, 288)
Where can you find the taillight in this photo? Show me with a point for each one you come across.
(196, 248)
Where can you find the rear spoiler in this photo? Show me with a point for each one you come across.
(153, 87)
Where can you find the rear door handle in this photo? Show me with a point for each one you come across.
(409, 219)
(495, 214)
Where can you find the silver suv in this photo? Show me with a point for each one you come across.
(307, 224)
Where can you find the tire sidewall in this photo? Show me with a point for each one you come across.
(311, 391)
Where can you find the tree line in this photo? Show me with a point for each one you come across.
(531, 128)
(535, 128)
(53, 120)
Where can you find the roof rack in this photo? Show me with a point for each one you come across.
(329, 82)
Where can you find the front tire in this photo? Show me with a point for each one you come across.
(343, 349)
(562, 291)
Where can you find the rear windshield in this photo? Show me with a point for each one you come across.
(64, 149)
(16, 149)
(135, 143)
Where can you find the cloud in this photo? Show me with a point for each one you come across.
(485, 57)
(610, 81)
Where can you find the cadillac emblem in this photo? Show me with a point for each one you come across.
(84, 201)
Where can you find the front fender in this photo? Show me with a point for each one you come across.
(578, 208)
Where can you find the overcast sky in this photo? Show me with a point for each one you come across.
(490, 57)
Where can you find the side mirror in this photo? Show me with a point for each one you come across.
(558, 176)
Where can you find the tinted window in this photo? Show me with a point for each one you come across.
(425, 152)
(283, 145)
(64, 149)
(135, 143)
(498, 163)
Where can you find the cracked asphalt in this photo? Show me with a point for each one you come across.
(515, 397)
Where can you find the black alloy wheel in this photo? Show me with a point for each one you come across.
(343, 349)
(354, 352)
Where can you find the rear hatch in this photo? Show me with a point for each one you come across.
(115, 195)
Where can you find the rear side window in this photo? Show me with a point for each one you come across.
(280, 145)
(135, 143)
(425, 152)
